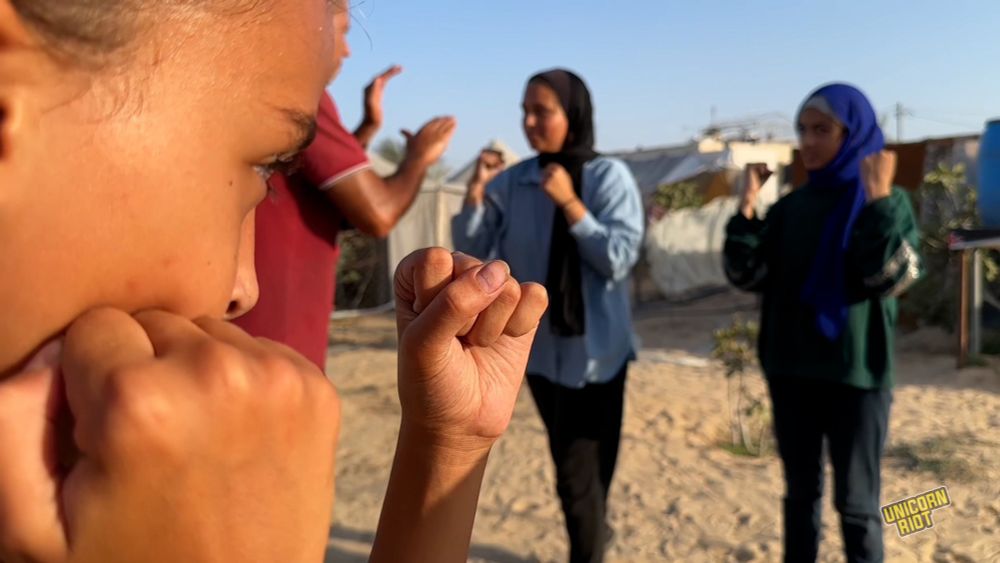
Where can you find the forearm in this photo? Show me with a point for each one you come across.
(574, 210)
(744, 257)
(609, 243)
(475, 193)
(430, 505)
(401, 188)
(475, 228)
(885, 248)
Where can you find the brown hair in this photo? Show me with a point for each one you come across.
(82, 30)
(94, 31)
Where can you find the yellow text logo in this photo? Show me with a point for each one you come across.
(914, 514)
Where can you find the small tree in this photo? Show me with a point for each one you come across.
(394, 151)
(947, 202)
(362, 268)
(681, 195)
(735, 347)
(361, 273)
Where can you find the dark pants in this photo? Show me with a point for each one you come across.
(584, 427)
(854, 423)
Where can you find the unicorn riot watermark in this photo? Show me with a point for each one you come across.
(914, 514)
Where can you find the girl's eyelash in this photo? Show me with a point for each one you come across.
(283, 164)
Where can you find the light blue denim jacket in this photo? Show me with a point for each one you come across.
(514, 223)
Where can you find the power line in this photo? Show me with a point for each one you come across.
(945, 122)
(939, 111)
(900, 113)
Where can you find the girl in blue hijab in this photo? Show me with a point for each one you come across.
(830, 258)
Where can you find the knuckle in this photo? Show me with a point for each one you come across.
(437, 259)
(328, 402)
(139, 415)
(511, 295)
(465, 298)
(283, 381)
(222, 364)
(535, 294)
(99, 316)
(455, 302)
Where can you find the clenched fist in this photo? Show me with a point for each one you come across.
(465, 331)
(153, 438)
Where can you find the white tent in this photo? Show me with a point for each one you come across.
(683, 249)
(428, 221)
(462, 176)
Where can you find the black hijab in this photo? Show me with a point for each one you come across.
(567, 315)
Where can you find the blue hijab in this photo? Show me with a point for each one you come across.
(825, 289)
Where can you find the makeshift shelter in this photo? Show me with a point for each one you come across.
(462, 176)
(428, 221)
(918, 158)
(683, 247)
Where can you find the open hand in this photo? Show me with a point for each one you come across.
(374, 92)
(428, 144)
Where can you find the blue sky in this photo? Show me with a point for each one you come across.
(658, 67)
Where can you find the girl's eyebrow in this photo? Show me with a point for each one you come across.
(305, 128)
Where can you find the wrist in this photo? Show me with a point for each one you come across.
(443, 449)
(412, 164)
(879, 195)
(569, 203)
(419, 159)
(476, 192)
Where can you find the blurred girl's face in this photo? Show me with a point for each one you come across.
(545, 122)
(134, 186)
(820, 139)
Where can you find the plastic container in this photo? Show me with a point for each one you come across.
(989, 175)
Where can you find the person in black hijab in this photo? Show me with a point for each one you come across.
(563, 280)
(571, 219)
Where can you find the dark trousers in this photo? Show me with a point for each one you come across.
(584, 427)
(854, 423)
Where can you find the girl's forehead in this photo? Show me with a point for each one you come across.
(817, 110)
(813, 116)
(540, 94)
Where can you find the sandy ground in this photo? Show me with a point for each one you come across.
(678, 495)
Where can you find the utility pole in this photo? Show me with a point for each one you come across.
(900, 113)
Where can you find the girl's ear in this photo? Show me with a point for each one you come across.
(19, 55)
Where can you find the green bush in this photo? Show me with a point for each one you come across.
(947, 202)
(682, 195)
(749, 417)
(362, 278)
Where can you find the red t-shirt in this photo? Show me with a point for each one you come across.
(296, 254)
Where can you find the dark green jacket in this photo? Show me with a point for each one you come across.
(774, 256)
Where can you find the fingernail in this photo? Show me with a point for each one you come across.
(493, 276)
(46, 357)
